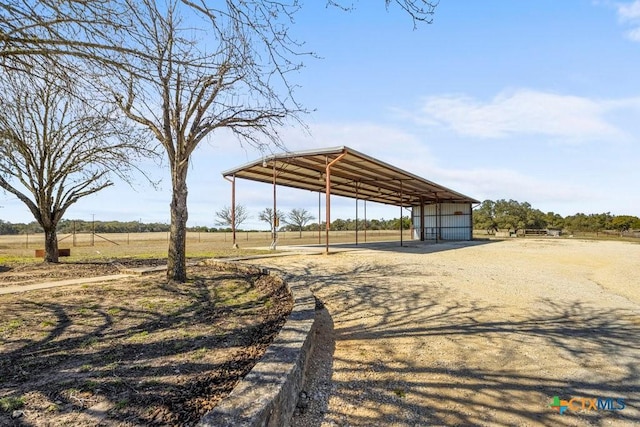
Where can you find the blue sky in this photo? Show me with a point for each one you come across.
(533, 101)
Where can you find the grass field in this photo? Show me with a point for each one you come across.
(154, 245)
(199, 245)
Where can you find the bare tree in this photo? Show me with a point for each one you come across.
(225, 218)
(197, 88)
(227, 66)
(92, 29)
(299, 218)
(69, 34)
(267, 216)
(56, 149)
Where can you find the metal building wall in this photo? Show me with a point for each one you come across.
(444, 221)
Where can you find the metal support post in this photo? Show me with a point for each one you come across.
(274, 235)
(401, 212)
(232, 180)
(328, 195)
(357, 213)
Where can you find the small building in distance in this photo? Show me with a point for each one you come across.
(443, 221)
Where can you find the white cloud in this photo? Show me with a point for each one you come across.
(522, 112)
(502, 183)
(386, 143)
(634, 35)
(629, 11)
(408, 150)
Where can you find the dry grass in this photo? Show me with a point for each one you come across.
(137, 351)
(154, 245)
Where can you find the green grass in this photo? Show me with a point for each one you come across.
(14, 324)
(235, 293)
(121, 404)
(11, 326)
(90, 385)
(11, 403)
(9, 259)
(89, 342)
(399, 392)
(53, 408)
(140, 336)
(199, 354)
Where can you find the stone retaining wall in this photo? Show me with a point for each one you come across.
(267, 396)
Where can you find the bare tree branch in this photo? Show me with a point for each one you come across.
(267, 216)
(225, 218)
(418, 10)
(56, 149)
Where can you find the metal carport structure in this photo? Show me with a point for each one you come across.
(346, 172)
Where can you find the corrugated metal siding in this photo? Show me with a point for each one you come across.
(455, 221)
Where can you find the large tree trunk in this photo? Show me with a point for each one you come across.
(176, 263)
(50, 244)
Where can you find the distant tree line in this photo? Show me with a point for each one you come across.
(299, 219)
(511, 215)
(350, 224)
(507, 215)
(67, 226)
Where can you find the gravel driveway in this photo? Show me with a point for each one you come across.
(480, 333)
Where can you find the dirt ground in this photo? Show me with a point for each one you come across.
(483, 333)
(132, 352)
(26, 273)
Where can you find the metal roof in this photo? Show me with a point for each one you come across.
(354, 175)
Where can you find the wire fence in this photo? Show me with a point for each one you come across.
(605, 234)
(32, 240)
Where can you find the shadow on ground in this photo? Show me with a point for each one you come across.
(145, 354)
(407, 246)
(415, 356)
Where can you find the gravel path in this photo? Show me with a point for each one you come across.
(484, 333)
(57, 283)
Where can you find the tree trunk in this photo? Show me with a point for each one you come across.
(176, 263)
(300, 233)
(50, 244)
